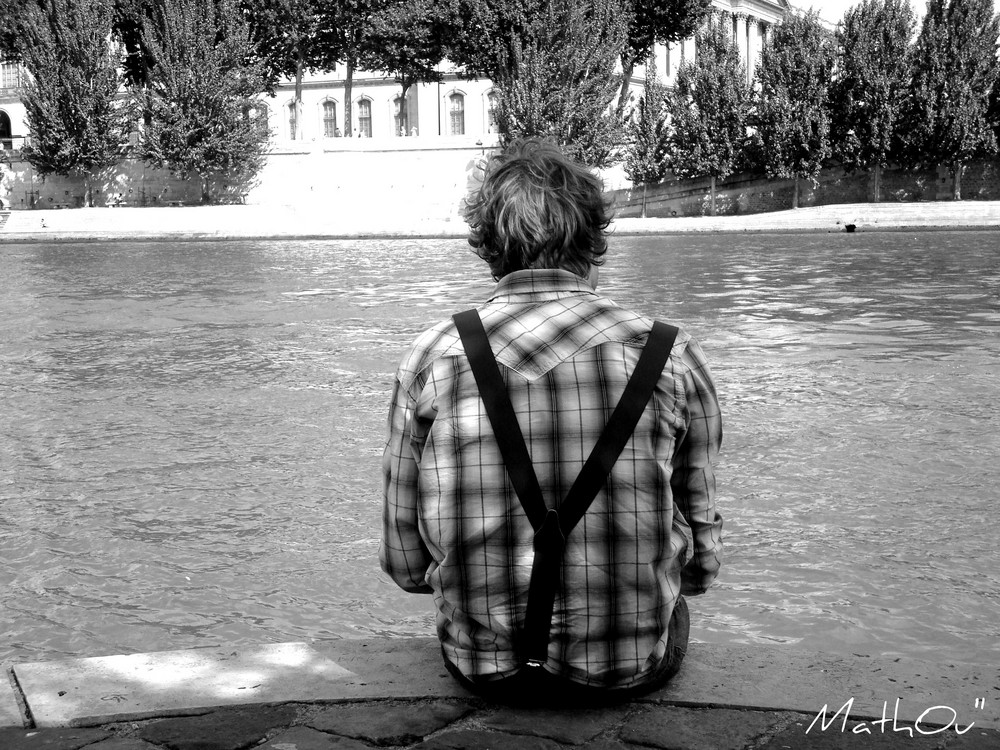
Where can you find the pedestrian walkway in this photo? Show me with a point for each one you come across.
(288, 222)
(395, 693)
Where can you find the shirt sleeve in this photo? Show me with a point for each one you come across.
(402, 552)
(693, 479)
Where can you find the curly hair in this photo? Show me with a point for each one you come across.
(537, 208)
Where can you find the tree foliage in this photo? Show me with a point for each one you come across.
(871, 87)
(710, 106)
(954, 70)
(200, 101)
(344, 35)
(652, 22)
(408, 39)
(646, 135)
(78, 126)
(286, 36)
(11, 13)
(792, 110)
(484, 30)
(557, 79)
(285, 33)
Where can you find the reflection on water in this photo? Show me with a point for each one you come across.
(190, 446)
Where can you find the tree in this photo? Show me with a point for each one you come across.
(408, 40)
(710, 108)
(656, 21)
(286, 36)
(343, 32)
(792, 117)
(871, 86)
(557, 79)
(78, 125)
(647, 133)
(955, 69)
(201, 99)
(484, 30)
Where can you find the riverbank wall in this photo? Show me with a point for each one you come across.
(353, 221)
(421, 176)
(745, 194)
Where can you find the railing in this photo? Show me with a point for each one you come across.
(13, 143)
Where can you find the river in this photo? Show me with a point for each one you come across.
(191, 435)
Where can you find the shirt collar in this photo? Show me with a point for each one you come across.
(543, 281)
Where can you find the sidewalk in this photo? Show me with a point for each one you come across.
(372, 221)
(394, 692)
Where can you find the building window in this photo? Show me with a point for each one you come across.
(330, 120)
(10, 76)
(491, 112)
(399, 115)
(293, 121)
(365, 118)
(456, 113)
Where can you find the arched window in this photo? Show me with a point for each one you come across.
(491, 112)
(293, 121)
(330, 120)
(365, 118)
(5, 132)
(399, 115)
(456, 114)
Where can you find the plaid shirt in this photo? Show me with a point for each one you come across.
(453, 526)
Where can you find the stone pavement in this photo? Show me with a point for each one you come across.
(322, 222)
(394, 693)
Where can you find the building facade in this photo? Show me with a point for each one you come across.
(464, 107)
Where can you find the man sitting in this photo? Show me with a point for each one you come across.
(540, 589)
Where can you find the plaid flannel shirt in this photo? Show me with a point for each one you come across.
(453, 526)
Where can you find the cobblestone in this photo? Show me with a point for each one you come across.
(395, 723)
(675, 728)
(231, 729)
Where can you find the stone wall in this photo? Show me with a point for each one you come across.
(422, 176)
(748, 193)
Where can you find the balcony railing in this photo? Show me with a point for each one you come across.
(12, 145)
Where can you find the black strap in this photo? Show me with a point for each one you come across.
(503, 420)
(551, 526)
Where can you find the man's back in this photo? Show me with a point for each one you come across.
(453, 523)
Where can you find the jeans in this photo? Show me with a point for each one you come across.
(534, 686)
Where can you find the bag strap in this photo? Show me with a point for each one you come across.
(551, 526)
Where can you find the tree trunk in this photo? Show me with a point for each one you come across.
(206, 195)
(404, 115)
(348, 85)
(877, 187)
(713, 193)
(958, 180)
(643, 200)
(628, 67)
(795, 193)
(88, 191)
(299, 65)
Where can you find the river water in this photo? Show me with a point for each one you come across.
(190, 436)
